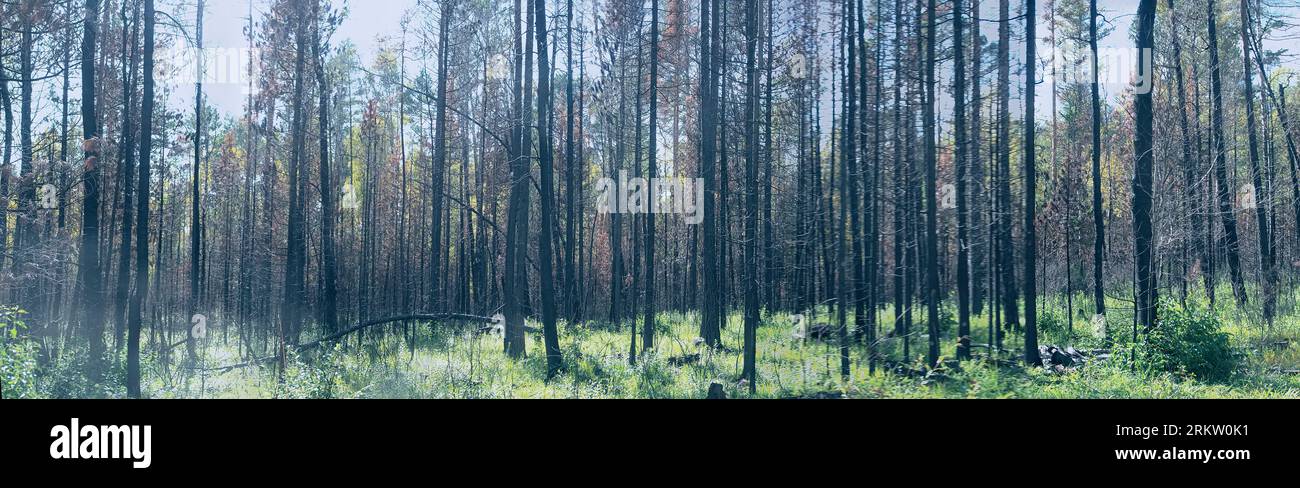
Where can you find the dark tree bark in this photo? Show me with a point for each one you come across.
(88, 258)
(295, 258)
(1230, 240)
(931, 189)
(1269, 275)
(546, 161)
(899, 185)
(1031, 188)
(710, 322)
(329, 262)
(853, 172)
(1279, 105)
(975, 187)
(135, 317)
(1192, 244)
(648, 323)
(871, 197)
(1143, 177)
(196, 224)
(845, 262)
(768, 259)
(1007, 254)
(1098, 223)
(127, 155)
(26, 232)
(1292, 156)
(571, 178)
(6, 105)
(751, 194)
(436, 299)
(959, 130)
(516, 284)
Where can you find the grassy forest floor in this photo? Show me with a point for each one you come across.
(452, 361)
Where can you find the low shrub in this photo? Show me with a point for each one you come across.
(1189, 342)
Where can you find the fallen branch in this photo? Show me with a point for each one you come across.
(367, 324)
(401, 318)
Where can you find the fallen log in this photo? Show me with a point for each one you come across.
(434, 317)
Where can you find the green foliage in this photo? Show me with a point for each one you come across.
(1189, 342)
(17, 356)
(315, 378)
(947, 320)
(444, 360)
(1051, 322)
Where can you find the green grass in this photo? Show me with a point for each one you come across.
(447, 361)
(444, 362)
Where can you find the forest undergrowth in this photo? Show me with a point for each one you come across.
(1194, 354)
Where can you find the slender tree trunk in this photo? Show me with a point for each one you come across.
(751, 194)
(329, 264)
(127, 154)
(959, 131)
(1143, 174)
(516, 285)
(571, 175)
(975, 187)
(931, 189)
(195, 223)
(1006, 262)
(436, 299)
(1269, 278)
(26, 235)
(1031, 188)
(545, 159)
(1192, 241)
(135, 317)
(853, 174)
(648, 323)
(295, 258)
(899, 185)
(88, 259)
(6, 105)
(1098, 222)
(1226, 213)
(710, 319)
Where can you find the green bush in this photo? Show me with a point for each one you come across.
(17, 357)
(1189, 342)
(307, 377)
(1052, 321)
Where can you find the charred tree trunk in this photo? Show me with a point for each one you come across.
(329, 264)
(88, 260)
(546, 161)
(134, 314)
(710, 323)
(648, 323)
(1031, 188)
(931, 189)
(1269, 278)
(1098, 222)
(1143, 180)
(1226, 213)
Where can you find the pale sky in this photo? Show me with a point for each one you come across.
(225, 20)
